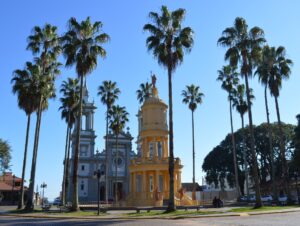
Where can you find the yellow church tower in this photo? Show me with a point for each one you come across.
(149, 172)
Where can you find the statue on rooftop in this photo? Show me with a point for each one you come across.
(153, 77)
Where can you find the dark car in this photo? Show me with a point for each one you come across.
(57, 202)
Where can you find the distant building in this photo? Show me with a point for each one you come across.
(90, 161)
(10, 186)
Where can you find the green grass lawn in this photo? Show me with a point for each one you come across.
(57, 213)
(171, 214)
(264, 208)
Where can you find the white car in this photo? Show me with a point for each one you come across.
(266, 198)
(282, 198)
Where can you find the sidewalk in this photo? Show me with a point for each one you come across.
(120, 215)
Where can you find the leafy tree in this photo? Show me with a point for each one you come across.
(44, 44)
(244, 49)
(118, 116)
(192, 96)
(296, 141)
(144, 92)
(69, 108)
(109, 93)
(5, 155)
(22, 80)
(229, 78)
(81, 47)
(169, 41)
(218, 164)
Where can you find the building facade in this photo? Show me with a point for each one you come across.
(90, 160)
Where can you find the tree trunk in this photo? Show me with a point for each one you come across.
(252, 148)
(193, 137)
(21, 198)
(116, 171)
(282, 153)
(234, 153)
(171, 205)
(75, 206)
(245, 157)
(30, 204)
(270, 146)
(106, 159)
(65, 167)
(68, 163)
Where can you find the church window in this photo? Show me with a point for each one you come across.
(82, 186)
(138, 183)
(82, 167)
(159, 149)
(161, 183)
(83, 122)
(151, 146)
(151, 183)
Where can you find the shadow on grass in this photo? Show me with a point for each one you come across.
(171, 214)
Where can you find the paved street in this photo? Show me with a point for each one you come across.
(285, 219)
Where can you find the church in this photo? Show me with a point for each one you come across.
(90, 160)
(142, 178)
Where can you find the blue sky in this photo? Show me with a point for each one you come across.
(129, 64)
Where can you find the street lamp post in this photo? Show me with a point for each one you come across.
(43, 186)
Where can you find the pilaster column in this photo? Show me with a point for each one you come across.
(157, 179)
(143, 181)
(134, 182)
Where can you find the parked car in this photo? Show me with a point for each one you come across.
(57, 202)
(282, 198)
(243, 198)
(266, 198)
(252, 198)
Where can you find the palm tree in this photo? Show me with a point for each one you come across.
(27, 102)
(244, 48)
(118, 116)
(44, 44)
(229, 78)
(109, 93)
(69, 107)
(192, 96)
(241, 106)
(144, 92)
(273, 69)
(263, 76)
(81, 47)
(169, 41)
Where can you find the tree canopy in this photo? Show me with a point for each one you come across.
(218, 164)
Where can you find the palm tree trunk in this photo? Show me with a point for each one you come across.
(252, 147)
(30, 204)
(270, 146)
(65, 167)
(21, 198)
(194, 185)
(234, 153)
(282, 153)
(75, 206)
(106, 159)
(171, 205)
(245, 157)
(68, 163)
(116, 171)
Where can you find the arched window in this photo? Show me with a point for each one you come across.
(83, 122)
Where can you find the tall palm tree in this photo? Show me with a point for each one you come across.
(26, 101)
(109, 93)
(274, 68)
(244, 48)
(82, 45)
(263, 76)
(144, 92)
(118, 116)
(169, 41)
(69, 106)
(192, 96)
(44, 44)
(241, 106)
(229, 78)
